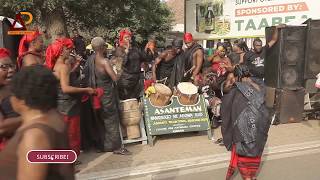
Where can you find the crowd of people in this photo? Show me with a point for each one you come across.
(53, 92)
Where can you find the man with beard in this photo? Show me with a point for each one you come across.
(128, 83)
(193, 58)
(30, 50)
(255, 58)
(164, 63)
(245, 124)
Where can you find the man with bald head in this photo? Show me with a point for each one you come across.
(102, 77)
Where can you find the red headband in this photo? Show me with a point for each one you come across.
(55, 49)
(4, 53)
(187, 37)
(124, 32)
(25, 40)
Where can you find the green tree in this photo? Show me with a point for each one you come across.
(100, 17)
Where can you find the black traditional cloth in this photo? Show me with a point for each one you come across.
(178, 70)
(245, 120)
(189, 60)
(109, 113)
(164, 69)
(128, 83)
(69, 104)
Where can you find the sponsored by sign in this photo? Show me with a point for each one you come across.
(222, 19)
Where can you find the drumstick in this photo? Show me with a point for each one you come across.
(189, 71)
(164, 79)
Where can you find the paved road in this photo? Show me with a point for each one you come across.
(303, 165)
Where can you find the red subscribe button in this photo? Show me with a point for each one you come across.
(51, 156)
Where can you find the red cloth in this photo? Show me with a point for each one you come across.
(2, 143)
(97, 98)
(4, 53)
(248, 166)
(73, 129)
(122, 33)
(187, 37)
(55, 49)
(216, 67)
(25, 40)
(147, 83)
(85, 98)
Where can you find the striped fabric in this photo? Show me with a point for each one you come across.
(248, 166)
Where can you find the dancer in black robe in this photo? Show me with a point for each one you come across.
(129, 85)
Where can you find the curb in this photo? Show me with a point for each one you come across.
(216, 159)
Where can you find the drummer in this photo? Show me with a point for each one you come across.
(163, 66)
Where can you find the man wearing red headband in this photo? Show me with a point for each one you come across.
(129, 86)
(68, 101)
(194, 57)
(30, 50)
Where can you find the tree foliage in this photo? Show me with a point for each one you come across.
(96, 18)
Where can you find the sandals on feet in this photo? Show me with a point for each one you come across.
(122, 151)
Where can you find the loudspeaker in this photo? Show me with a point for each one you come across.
(289, 105)
(312, 56)
(10, 42)
(284, 62)
(210, 44)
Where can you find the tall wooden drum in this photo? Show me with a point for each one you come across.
(130, 117)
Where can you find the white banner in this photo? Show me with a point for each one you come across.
(225, 19)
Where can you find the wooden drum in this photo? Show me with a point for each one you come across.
(187, 93)
(130, 117)
(162, 96)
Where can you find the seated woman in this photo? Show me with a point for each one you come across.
(34, 97)
(221, 65)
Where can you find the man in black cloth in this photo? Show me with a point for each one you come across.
(164, 63)
(194, 57)
(255, 58)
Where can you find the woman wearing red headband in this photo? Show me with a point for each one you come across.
(68, 102)
(129, 82)
(30, 50)
(8, 120)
